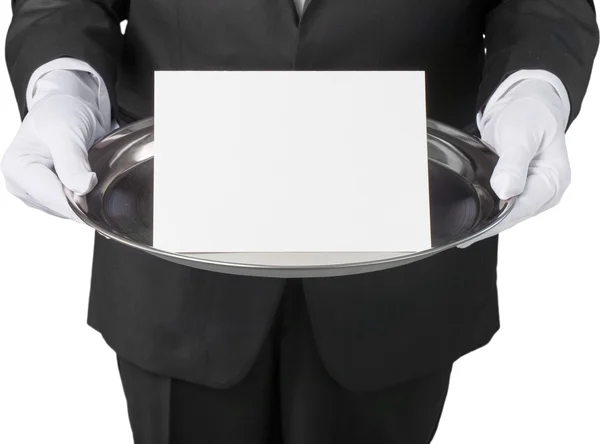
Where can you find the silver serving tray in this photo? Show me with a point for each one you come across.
(462, 206)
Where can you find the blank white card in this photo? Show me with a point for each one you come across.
(290, 161)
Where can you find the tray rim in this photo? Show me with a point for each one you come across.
(286, 271)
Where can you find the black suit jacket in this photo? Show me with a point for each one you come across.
(373, 329)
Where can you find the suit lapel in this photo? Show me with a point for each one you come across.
(291, 5)
(307, 5)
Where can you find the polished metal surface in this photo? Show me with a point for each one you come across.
(462, 206)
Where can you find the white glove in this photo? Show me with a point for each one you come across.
(526, 128)
(50, 149)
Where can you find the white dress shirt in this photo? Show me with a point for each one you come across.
(299, 5)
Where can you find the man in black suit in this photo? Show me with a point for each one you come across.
(358, 359)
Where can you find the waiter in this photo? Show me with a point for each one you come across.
(366, 359)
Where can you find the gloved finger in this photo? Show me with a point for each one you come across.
(31, 180)
(31, 204)
(539, 195)
(494, 231)
(48, 211)
(554, 161)
(68, 135)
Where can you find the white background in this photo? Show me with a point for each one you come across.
(537, 382)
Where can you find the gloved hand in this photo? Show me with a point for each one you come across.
(50, 149)
(526, 128)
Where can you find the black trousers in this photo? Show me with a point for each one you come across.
(287, 397)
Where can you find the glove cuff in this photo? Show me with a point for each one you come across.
(66, 76)
(532, 84)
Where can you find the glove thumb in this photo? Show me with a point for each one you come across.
(80, 184)
(72, 166)
(516, 144)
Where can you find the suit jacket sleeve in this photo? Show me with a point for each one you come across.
(44, 30)
(559, 36)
